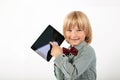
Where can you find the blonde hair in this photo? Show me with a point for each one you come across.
(80, 19)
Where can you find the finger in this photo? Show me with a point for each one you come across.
(52, 44)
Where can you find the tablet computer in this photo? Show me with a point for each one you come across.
(42, 45)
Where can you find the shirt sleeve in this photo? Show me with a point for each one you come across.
(81, 63)
(58, 73)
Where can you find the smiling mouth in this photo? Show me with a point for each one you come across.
(75, 39)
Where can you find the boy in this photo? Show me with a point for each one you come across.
(79, 61)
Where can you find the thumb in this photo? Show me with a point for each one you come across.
(52, 44)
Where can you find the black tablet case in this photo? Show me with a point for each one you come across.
(42, 46)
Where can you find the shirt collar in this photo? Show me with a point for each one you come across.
(81, 45)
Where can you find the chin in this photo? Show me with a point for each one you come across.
(75, 44)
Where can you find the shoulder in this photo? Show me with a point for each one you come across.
(88, 50)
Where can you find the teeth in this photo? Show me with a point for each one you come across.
(74, 39)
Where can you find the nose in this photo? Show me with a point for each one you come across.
(74, 34)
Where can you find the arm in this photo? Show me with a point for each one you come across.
(58, 73)
(55, 52)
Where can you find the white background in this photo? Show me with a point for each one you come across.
(22, 21)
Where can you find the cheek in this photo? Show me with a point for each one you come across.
(67, 37)
(67, 34)
(83, 36)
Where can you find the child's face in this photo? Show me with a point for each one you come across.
(74, 36)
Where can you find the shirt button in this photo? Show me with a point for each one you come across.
(63, 55)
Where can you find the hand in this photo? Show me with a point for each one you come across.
(56, 50)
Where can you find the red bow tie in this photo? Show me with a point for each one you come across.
(72, 50)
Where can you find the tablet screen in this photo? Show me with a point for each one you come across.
(42, 46)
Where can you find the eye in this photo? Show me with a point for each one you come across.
(69, 30)
(79, 30)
